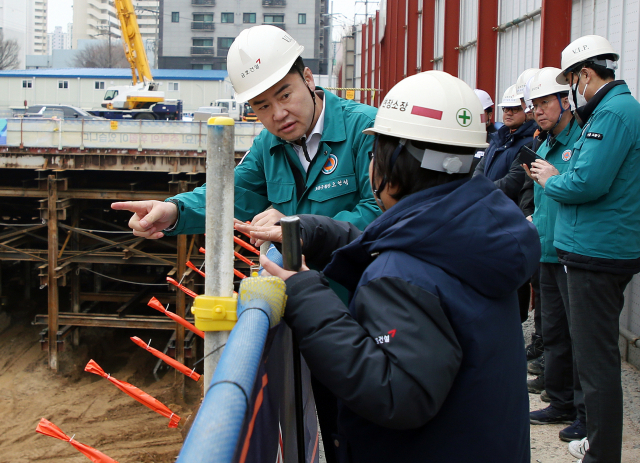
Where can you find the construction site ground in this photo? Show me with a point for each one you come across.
(101, 416)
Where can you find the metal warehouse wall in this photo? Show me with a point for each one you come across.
(519, 43)
(488, 43)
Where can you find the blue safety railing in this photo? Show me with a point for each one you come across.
(216, 430)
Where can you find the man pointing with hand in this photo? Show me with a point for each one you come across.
(312, 158)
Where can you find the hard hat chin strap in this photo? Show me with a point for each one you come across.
(441, 161)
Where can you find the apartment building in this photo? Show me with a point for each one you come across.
(98, 19)
(39, 31)
(59, 40)
(197, 34)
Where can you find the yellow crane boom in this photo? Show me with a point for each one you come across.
(132, 41)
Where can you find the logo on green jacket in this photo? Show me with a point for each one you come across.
(330, 165)
(566, 155)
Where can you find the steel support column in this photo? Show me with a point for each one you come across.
(364, 64)
(428, 40)
(555, 32)
(401, 40)
(377, 81)
(370, 67)
(413, 21)
(451, 36)
(487, 47)
(52, 282)
(181, 300)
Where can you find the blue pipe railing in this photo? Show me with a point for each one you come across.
(216, 430)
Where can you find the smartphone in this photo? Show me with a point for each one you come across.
(527, 156)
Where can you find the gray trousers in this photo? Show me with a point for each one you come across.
(595, 302)
(561, 379)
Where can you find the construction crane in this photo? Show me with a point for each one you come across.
(141, 99)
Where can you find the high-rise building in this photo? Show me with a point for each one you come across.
(59, 40)
(40, 37)
(98, 19)
(197, 34)
(15, 25)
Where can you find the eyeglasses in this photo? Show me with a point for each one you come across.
(371, 156)
(543, 105)
(513, 109)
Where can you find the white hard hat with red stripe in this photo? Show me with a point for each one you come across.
(259, 58)
(434, 107)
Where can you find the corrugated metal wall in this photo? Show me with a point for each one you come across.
(518, 45)
(617, 20)
(468, 50)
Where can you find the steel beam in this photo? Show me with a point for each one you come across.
(109, 321)
(86, 194)
(413, 21)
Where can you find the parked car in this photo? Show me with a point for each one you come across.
(66, 111)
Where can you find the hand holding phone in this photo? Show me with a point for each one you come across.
(527, 156)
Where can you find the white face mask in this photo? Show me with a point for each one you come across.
(573, 90)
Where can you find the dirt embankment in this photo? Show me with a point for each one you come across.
(80, 403)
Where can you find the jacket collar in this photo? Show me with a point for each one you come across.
(603, 95)
(566, 134)
(333, 130)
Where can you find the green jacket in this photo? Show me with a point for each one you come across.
(337, 184)
(599, 195)
(546, 209)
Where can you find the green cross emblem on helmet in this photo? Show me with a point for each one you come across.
(463, 116)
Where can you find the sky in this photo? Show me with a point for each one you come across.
(61, 13)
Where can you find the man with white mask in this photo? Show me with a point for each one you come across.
(596, 233)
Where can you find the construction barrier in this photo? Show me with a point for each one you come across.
(248, 412)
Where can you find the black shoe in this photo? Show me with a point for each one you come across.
(576, 431)
(536, 385)
(536, 366)
(552, 415)
(536, 348)
(545, 397)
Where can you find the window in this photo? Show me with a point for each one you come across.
(225, 42)
(227, 18)
(273, 18)
(63, 84)
(174, 86)
(302, 18)
(175, 17)
(99, 85)
(203, 42)
(203, 17)
(249, 18)
(205, 67)
(27, 84)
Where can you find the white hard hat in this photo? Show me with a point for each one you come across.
(510, 98)
(433, 107)
(259, 58)
(583, 49)
(522, 80)
(485, 98)
(544, 83)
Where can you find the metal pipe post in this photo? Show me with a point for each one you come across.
(219, 228)
(52, 263)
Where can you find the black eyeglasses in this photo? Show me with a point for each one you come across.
(371, 155)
